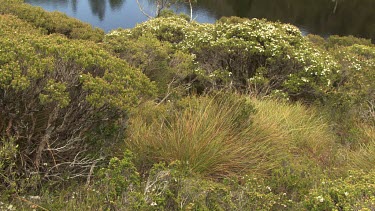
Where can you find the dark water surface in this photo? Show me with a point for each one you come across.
(323, 17)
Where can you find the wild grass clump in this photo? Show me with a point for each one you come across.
(211, 136)
(361, 156)
(308, 134)
(222, 136)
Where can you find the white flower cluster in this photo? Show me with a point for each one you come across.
(274, 41)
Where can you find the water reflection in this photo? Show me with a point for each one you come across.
(116, 4)
(74, 6)
(323, 17)
(98, 8)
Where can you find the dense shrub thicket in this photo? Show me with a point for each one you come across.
(51, 22)
(160, 61)
(206, 134)
(351, 104)
(56, 96)
(169, 187)
(251, 55)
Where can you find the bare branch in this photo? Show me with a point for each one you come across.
(143, 11)
(191, 11)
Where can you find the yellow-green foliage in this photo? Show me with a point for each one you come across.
(158, 60)
(211, 136)
(8, 151)
(354, 192)
(362, 154)
(29, 57)
(64, 102)
(214, 136)
(54, 91)
(346, 41)
(307, 134)
(164, 188)
(253, 55)
(351, 102)
(51, 22)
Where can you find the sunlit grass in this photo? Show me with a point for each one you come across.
(223, 136)
(308, 134)
(212, 136)
(363, 156)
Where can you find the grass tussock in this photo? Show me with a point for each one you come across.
(213, 137)
(308, 134)
(362, 157)
(224, 136)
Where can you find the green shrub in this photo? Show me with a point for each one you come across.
(335, 40)
(158, 60)
(317, 40)
(252, 55)
(254, 193)
(170, 13)
(119, 183)
(165, 187)
(54, 94)
(354, 192)
(352, 102)
(51, 22)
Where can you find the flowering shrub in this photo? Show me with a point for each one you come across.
(357, 79)
(351, 103)
(354, 192)
(239, 53)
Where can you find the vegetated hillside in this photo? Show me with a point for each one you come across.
(237, 115)
(51, 22)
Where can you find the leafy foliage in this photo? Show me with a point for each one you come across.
(354, 192)
(158, 60)
(54, 91)
(66, 105)
(351, 104)
(253, 55)
(51, 22)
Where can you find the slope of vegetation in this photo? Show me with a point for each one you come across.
(172, 115)
(51, 22)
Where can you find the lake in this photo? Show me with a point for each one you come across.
(322, 17)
